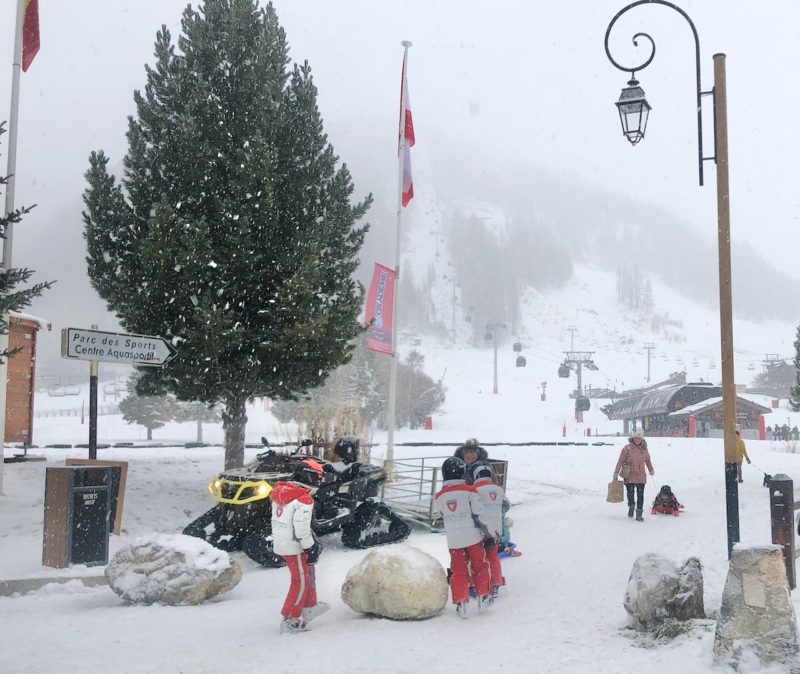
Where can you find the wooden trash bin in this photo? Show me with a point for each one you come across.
(77, 515)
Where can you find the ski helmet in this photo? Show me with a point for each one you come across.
(481, 470)
(454, 468)
(309, 472)
(346, 448)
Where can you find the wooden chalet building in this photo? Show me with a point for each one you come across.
(21, 375)
(687, 410)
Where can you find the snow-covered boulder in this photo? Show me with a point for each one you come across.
(171, 569)
(756, 614)
(659, 591)
(398, 582)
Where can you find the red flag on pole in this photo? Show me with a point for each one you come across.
(378, 312)
(30, 33)
(406, 138)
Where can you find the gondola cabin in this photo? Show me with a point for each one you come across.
(582, 404)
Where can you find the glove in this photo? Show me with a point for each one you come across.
(614, 477)
(489, 542)
(748, 460)
(313, 553)
(652, 472)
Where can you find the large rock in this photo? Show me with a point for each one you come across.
(658, 591)
(171, 569)
(756, 614)
(398, 582)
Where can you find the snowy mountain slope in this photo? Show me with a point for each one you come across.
(615, 336)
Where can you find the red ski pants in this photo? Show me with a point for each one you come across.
(466, 562)
(302, 588)
(495, 572)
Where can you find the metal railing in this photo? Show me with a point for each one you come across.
(414, 483)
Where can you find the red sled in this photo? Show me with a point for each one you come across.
(663, 510)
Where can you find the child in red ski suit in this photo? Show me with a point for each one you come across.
(292, 510)
(466, 527)
(496, 505)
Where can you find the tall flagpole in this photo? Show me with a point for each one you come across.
(16, 68)
(401, 158)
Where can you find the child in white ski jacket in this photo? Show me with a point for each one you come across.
(293, 539)
(496, 505)
(466, 527)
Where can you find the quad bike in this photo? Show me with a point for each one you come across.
(242, 518)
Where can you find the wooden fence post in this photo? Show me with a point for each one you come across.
(781, 509)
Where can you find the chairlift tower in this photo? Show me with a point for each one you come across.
(572, 330)
(577, 360)
(770, 360)
(491, 333)
(649, 346)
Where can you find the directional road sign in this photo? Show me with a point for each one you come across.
(115, 347)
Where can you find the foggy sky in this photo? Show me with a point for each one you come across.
(523, 80)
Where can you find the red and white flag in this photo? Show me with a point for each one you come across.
(378, 311)
(30, 33)
(406, 138)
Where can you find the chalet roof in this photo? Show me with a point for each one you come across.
(20, 316)
(657, 402)
(716, 402)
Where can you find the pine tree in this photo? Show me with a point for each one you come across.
(232, 232)
(200, 413)
(152, 412)
(648, 301)
(794, 396)
(12, 297)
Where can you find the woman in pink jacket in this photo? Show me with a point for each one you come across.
(635, 455)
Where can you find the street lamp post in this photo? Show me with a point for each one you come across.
(634, 113)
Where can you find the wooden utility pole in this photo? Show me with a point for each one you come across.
(725, 299)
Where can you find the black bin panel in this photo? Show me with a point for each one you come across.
(90, 525)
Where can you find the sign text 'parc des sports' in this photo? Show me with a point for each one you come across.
(115, 347)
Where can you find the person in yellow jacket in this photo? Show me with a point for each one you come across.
(741, 453)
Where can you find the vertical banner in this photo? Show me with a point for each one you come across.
(378, 312)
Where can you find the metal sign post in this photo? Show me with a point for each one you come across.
(97, 346)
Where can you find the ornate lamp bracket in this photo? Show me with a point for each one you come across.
(633, 69)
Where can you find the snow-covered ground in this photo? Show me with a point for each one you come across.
(562, 608)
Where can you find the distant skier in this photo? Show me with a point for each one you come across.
(666, 503)
(496, 505)
(292, 509)
(466, 526)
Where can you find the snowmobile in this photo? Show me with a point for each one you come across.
(242, 516)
